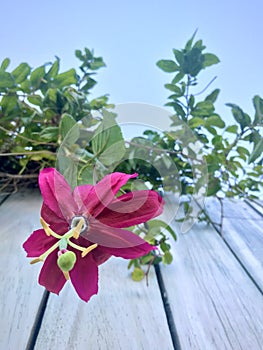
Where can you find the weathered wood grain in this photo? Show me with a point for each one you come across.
(215, 304)
(124, 315)
(257, 205)
(243, 232)
(20, 294)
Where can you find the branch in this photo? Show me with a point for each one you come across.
(26, 138)
(14, 176)
(26, 153)
(207, 86)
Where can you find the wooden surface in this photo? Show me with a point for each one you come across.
(243, 232)
(214, 302)
(20, 295)
(209, 298)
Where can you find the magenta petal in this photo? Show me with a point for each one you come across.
(84, 277)
(104, 192)
(81, 195)
(57, 224)
(132, 208)
(38, 243)
(56, 193)
(51, 277)
(129, 253)
(112, 237)
(100, 256)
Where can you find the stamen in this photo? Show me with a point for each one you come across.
(89, 249)
(78, 228)
(43, 256)
(36, 260)
(64, 240)
(48, 230)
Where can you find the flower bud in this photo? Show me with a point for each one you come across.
(66, 261)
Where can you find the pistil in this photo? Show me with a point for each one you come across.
(66, 259)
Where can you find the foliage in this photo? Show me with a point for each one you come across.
(38, 107)
(46, 119)
(225, 148)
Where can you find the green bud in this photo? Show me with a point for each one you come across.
(66, 261)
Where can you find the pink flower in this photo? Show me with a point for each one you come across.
(83, 228)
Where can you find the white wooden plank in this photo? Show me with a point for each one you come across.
(233, 208)
(257, 205)
(124, 315)
(214, 303)
(243, 231)
(19, 293)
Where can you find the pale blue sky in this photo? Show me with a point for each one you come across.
(132, 36)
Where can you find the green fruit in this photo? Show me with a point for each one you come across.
(66, 261)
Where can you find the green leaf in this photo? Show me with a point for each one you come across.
(213, 186)
(213, 96)
(8, 103)
(213, 163)
(97, 63)
(5, 63)
(241, 117)
(146, 259)
(199, 45)
(36, 77)
(168, 66)
(257, 151)
(243, 152)
(215, 120)
(193, 62)
(79, 55)
(217, 142)
(66, 162)
(177, 107)
(196, 122)
(210, 59)
(35, 100)
(161, 224)
(53, 71)
(258, 105)
(167, 258)
(66, 124)
(137, 274)
(179, 76)
(179, 56)
(51, 95)
(89, 84)
(232, 129)
(173, 88)
(108, 143)
(203, 109)
(21, 72)
(6, 80)
(189, 43)
(64, 79)
(50, 133)
(26, 86)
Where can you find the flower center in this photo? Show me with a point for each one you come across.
(75, 221)
(66, 259)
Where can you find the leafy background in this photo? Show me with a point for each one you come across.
(48, 119)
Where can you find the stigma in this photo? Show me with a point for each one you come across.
(76, 220)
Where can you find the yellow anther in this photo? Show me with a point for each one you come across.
(48, 230)
(89, 249)
(78, 228)
(36, 260)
